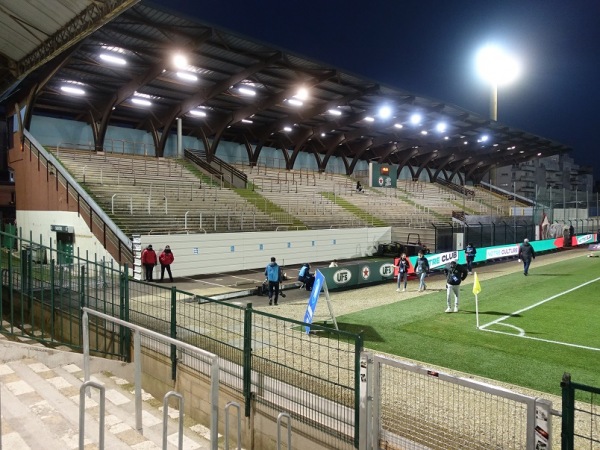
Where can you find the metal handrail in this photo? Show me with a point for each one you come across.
(138, 331)
(289, 430)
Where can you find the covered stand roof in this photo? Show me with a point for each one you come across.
(231, 88)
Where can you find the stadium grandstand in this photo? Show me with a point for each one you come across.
(127, 125)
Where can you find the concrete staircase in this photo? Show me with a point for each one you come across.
(40, 404)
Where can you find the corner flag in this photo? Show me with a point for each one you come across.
(476, 285)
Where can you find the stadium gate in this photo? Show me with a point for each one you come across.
(413, 407)
(582, 413)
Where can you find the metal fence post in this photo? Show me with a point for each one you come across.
(358, 349)
(124, 332)
(173, 332)
(568, 413)
(247, 376)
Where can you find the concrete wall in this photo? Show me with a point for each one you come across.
(86, 244)
(226, 252)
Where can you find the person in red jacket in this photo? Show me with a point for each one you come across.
(166, 259)
(149, 261)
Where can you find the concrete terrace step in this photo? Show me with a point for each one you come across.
(40, 409)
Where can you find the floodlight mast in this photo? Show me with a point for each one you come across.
(497, 67)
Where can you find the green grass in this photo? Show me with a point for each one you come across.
(419, 329)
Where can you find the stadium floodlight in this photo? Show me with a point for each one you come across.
(398, 125)
(498, 68)
(141, 101)
(197, 113)
(302, 94)
(335, 112)
(385, 112)
(370, 119)
(295, 102)
(72, 90)
(441, 127)
(415, 119)
(113, 59)
(180, 61)
(247, 91)
(287, 129)
(188, 76)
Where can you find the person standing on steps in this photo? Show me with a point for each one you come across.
(273, 274)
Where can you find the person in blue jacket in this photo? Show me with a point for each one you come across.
(273, 274)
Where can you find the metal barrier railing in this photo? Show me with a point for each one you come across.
(179, 397)
(289, 430)
(82, 390)
(138, 331)
(237, 406)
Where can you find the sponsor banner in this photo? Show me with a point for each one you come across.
(438, 260)
(594, 247)
(501, 252)
(585, 239)
(344, 277)
(543, 428)
(312, 300)
(375, 272)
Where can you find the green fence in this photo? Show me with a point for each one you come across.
(585, 413)
(270, 360)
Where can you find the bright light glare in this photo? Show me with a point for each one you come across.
(72, 90)
(415, 119)
(197, 113)
(247, 91)
(441, 127)
(335, 112)
(288, 129)
(187, 76)
(302, 94)
(370, 119)
(141, 101)
(295, 102)
(398, 125)
(112, 59)
(385, 112)
(484, 138)
(497, 66)
(180, 61)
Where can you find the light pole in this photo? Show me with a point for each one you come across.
(496, 67)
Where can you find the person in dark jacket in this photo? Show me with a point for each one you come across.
(273, 274)
(421, 269)
(166, 258)
(526, 254)
(455, 274)
(470, 252)
(402, 266)
(149, 261)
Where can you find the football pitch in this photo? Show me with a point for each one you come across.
(532, 329)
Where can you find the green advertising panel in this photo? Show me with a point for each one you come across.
(352, 275)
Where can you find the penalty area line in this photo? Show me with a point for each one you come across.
(541, 302)
(549, 341)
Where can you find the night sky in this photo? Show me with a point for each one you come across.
(429, 47)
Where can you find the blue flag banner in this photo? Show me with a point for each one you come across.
(312, 300)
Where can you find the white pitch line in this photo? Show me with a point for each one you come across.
(545, 340)
(204, 282)
(538, 303)
(520, 330)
